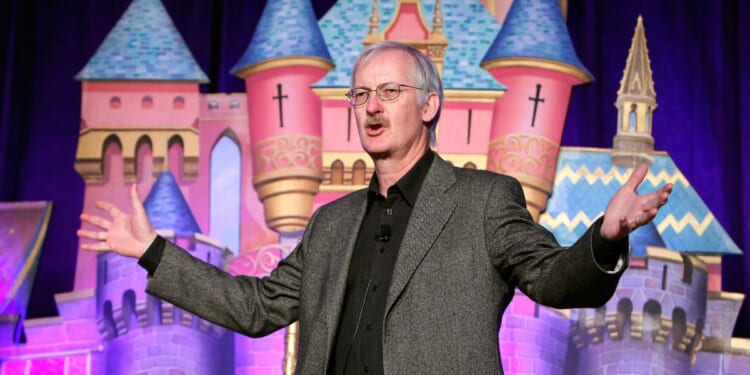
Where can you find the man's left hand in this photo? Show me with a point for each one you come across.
(627, 210)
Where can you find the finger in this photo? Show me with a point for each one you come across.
(96, 246)
(109, 207)
(639, 173)
(135, 201)
(92, 234)
(96, 220)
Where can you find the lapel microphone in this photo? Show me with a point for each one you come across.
(384, 234)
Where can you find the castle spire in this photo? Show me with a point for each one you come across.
(534, 57)
(287, 29)
(437, 20)
(143, 45)
(636, 102)
(374, 18)
(167, 208)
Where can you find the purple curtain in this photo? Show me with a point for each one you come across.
(698, 50)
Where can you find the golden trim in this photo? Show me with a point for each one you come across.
(75, 295)
(93, 129)
(710, 259)
(472, 96)
(283, 62)
(348, 158)
(731, 296)
(200, 237)
(532, 62)
(331, 93)
(734, 345)
(39, 322)
(663, 254)
(341, 188)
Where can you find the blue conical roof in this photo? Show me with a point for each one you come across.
(143, 45)
(286, 28)
(167, 209)
(535, 29)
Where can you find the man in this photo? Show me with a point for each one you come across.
(410, 275)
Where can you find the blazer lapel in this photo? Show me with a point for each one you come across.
(433, 208)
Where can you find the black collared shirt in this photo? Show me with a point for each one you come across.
(358, 348)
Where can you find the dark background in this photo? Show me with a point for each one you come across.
(699, 55)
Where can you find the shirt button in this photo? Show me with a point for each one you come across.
(374, 288)
(382, 250)
(369, 327)
(367, 369)
(389, 211)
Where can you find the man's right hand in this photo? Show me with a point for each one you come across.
(126, 234)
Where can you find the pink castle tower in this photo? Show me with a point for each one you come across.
(286, 56)
(534, 57)
(139, 112)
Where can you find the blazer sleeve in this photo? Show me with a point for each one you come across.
(528, 256)
(250, 305)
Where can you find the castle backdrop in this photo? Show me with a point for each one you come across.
(234, 177)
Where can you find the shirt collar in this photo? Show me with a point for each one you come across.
(410, 184)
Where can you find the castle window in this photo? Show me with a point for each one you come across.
(147, 102)
(178, 103)
(337, 173)
(358, 173)
(679, 329)
(632, 119)
(664, 278)
(652, 318)
(213, 105)
(234, 104)
(115, 102)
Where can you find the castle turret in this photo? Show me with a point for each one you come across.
(408, 26)
(285, 57)
(533, 56)
(143, 333)
(636, 102)
(659, 311)
(139, 111)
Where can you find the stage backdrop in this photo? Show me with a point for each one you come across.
(700, 54)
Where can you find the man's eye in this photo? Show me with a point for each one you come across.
(389, 91)
(360, 94)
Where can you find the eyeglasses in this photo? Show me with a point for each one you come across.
(387, 92)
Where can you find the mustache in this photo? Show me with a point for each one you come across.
(377, 119)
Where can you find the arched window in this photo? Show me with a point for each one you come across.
(358, 173)
(213, 105)
(337, 173)
(175, 154)
(632, 119)
(224, 211)
(115, 102)
(651, 318)
(624, 314)
(144, 162)
(679, 329)
(234, 104)
(147, 102)
(178, 103)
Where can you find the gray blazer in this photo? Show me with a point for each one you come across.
(469, 243)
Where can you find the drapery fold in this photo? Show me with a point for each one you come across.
(699, 50)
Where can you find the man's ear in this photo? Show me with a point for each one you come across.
(430, 107)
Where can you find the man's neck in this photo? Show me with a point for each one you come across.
(390, 170)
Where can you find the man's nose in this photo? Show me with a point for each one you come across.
(374, 105)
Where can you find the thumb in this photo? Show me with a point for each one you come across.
(135, 202)
(639, 173)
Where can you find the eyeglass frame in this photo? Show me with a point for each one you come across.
(351, 94)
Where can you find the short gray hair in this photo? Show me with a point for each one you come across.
(423, 72)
